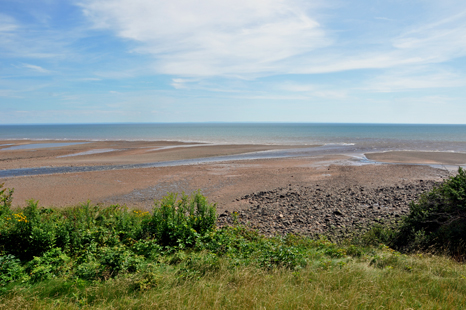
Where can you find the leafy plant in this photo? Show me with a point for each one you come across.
(181, 222)
(10, 269)
(6, 197)
(50, 265)
(438, 220)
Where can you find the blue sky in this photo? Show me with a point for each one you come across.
(98, 61)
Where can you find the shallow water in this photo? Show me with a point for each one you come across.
(396, 136)
(300, 152)
(357, 154)
(91, 152)
(39, 146)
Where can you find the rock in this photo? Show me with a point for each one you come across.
(337, 212)
(301, 210)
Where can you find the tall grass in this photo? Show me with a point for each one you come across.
(175, 258)
(431, 283)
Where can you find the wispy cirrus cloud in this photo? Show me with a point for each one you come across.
(208, 38)
(415, 79)
(7, 24)
(270, 37)
(36, 68)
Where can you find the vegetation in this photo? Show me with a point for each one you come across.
(174, 257)
(437, 222)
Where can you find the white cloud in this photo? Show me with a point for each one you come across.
(90, 79)
(7, 24)
(314, 90)
(210, 37)
(9, 93)
(415, 79)
(25, 38)
(181, 83)
(36, 68)
(297, 87)
(242, 38)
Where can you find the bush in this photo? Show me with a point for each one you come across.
(33, 231)
(6, 197)
(282, 256)
(438, 220)
(108, 263)
(50, 265)
(180, 222)
(10, 269)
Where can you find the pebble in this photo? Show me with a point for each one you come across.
(302, 210)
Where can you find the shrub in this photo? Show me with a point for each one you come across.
(108, 263)
(10, 269)
(33, 231)
(50, 265)
(282, 256)
(24, 235)
(438, 220)
(180, 222)
(6, 197)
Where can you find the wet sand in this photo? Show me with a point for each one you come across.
(436, 158)
(117, 153)
(223, 183)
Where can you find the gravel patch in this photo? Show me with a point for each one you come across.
(323, 210)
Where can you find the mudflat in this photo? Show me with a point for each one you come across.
(441, 158)
(226, 183)
(97, 153)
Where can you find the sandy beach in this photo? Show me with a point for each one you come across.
(224, 182)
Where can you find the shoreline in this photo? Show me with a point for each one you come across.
(224, 173)
(118, 153)
(79, 156)
(419, 157)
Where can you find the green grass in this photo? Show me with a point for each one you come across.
(414, 283)
(175, 258)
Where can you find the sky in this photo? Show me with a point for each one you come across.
(320, 61)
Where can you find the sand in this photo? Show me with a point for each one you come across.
(223, 183)
(437, 158)
(117, 153)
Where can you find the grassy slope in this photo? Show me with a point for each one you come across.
(114, 258)
(417, 283)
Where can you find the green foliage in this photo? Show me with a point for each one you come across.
(94, 242)
(376, 235)
(10, 269)
(438, 220)
(88, 253)
(51, 264)
(33, 231)
(6, 197)
(99, 257)
(179, 222)
(108, 263)
(282, 256)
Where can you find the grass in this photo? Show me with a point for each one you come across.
(175, 258)
(429, 283)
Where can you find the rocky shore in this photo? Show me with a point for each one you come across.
(321, 209)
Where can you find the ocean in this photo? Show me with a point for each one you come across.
(365, 136)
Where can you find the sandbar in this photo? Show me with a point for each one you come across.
(118, 153)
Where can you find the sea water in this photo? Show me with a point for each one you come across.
(378, 136)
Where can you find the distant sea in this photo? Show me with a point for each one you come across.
(364, 136)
